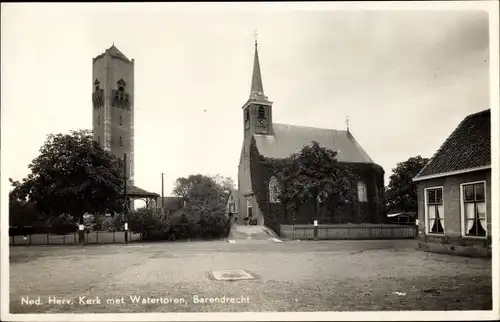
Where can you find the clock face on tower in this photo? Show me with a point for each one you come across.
(263, 122)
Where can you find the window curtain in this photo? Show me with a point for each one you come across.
(481, 213)
(469, 216)
(432, 216)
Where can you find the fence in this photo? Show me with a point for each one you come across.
(54, 236)
(348, 231)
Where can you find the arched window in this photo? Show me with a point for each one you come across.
(247, 115)
(262, 112)
(362, 196)
(274, 190)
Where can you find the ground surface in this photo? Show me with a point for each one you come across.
(291, 276)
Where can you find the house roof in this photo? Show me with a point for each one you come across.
(288, 139)
(170, 203)
(467, 148)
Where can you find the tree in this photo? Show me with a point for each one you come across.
(313, 175)
(401, 193)
(72, 176)
(205, 198)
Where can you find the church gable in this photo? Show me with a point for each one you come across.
(289, 139)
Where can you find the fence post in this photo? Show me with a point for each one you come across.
(97, 237)
(30, 239)
(316, 230)
(74, 235)
(48, 243)
(64, 239)
(113, 235)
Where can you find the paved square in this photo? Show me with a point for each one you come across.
(231, 275)
(289, 276)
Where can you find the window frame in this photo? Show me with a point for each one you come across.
(462, 210)
(426, 212)
(273, 193)
(364, 189)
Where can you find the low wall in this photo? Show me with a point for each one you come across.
(348, 231)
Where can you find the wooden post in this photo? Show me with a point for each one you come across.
(316, 230)
(126, 199)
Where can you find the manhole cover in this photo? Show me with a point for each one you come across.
(231, 275)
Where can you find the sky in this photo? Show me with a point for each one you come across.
(405, 79)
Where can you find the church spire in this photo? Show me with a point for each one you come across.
(257, 90)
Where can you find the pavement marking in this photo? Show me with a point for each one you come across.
(231, 275)
(276, 240)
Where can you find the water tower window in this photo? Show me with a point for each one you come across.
(121, 143)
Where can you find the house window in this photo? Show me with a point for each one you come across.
(121, 120)
(434, 210)
(121, 142)
(474, 209)
(274, 190)
(98, 120)
(362, 196)
(262, 112)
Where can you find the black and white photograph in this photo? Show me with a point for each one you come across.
(250, 161)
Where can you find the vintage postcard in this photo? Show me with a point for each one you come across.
(250, 161)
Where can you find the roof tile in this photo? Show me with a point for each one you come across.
(467, 147)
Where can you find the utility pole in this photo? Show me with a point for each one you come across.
(162, 210)
(125, 212)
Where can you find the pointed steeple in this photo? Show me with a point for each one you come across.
(257, 90)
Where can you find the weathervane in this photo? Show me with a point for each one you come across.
(255, 36)
(347, 122)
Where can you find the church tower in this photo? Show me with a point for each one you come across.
(257, 120)
(113, 105)
(257, 111)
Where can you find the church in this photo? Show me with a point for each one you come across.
(264, 139)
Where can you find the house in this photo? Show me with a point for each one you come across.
(169, 204)
(232, 206)
(454, 191)
(264, 139)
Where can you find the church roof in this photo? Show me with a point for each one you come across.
(289, 139)
(468, 147)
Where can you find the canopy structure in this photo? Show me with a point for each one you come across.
(136, 193)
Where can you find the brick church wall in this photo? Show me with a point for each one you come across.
(274, 213)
